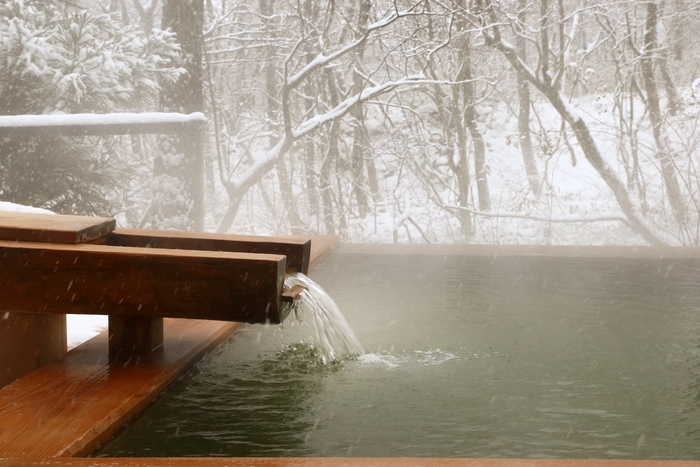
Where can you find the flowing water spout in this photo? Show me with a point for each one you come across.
(331, 332)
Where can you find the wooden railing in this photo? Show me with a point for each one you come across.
(190, 126)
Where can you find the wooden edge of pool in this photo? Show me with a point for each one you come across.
(334, 462)
(69, 407)
(564, 251)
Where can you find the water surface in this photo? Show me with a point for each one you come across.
(466, 357)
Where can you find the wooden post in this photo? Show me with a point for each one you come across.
(29, 340)
(135, 333)
(195, 134)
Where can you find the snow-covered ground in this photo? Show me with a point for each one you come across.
(81, 328)
(417, 190)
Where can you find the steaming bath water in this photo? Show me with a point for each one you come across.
(466, 356)
(332, 336)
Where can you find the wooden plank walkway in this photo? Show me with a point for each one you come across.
(67, 408)
(335, 462)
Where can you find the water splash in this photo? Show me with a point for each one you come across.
(331, 333)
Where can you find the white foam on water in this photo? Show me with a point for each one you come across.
(393, 359)
(331, 333)
(434, 356)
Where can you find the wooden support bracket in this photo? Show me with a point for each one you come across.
(148, 282)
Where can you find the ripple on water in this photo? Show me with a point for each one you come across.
(394, 359)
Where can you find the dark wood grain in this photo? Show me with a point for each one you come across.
(321, 245)
(69, 407)
(296, 249)
(336, 462)
(26, 227)
(95, 279)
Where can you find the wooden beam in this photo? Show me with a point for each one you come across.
(69, 407)
(54, 228)
(149, 282)
(296, 249)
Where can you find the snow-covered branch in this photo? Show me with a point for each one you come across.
(322, 60)
(345, 106)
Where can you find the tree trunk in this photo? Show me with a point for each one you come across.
(267, 12)
(657, 124)
(177, 168)
(358, 139)
(470, 116)
(330, 158)
(460, 167)
(524, 137)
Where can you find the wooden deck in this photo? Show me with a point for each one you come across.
(67, 408)
(334, 462)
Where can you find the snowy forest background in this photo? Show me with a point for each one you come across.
(423, 121)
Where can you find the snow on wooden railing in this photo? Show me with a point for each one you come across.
(100, 124)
